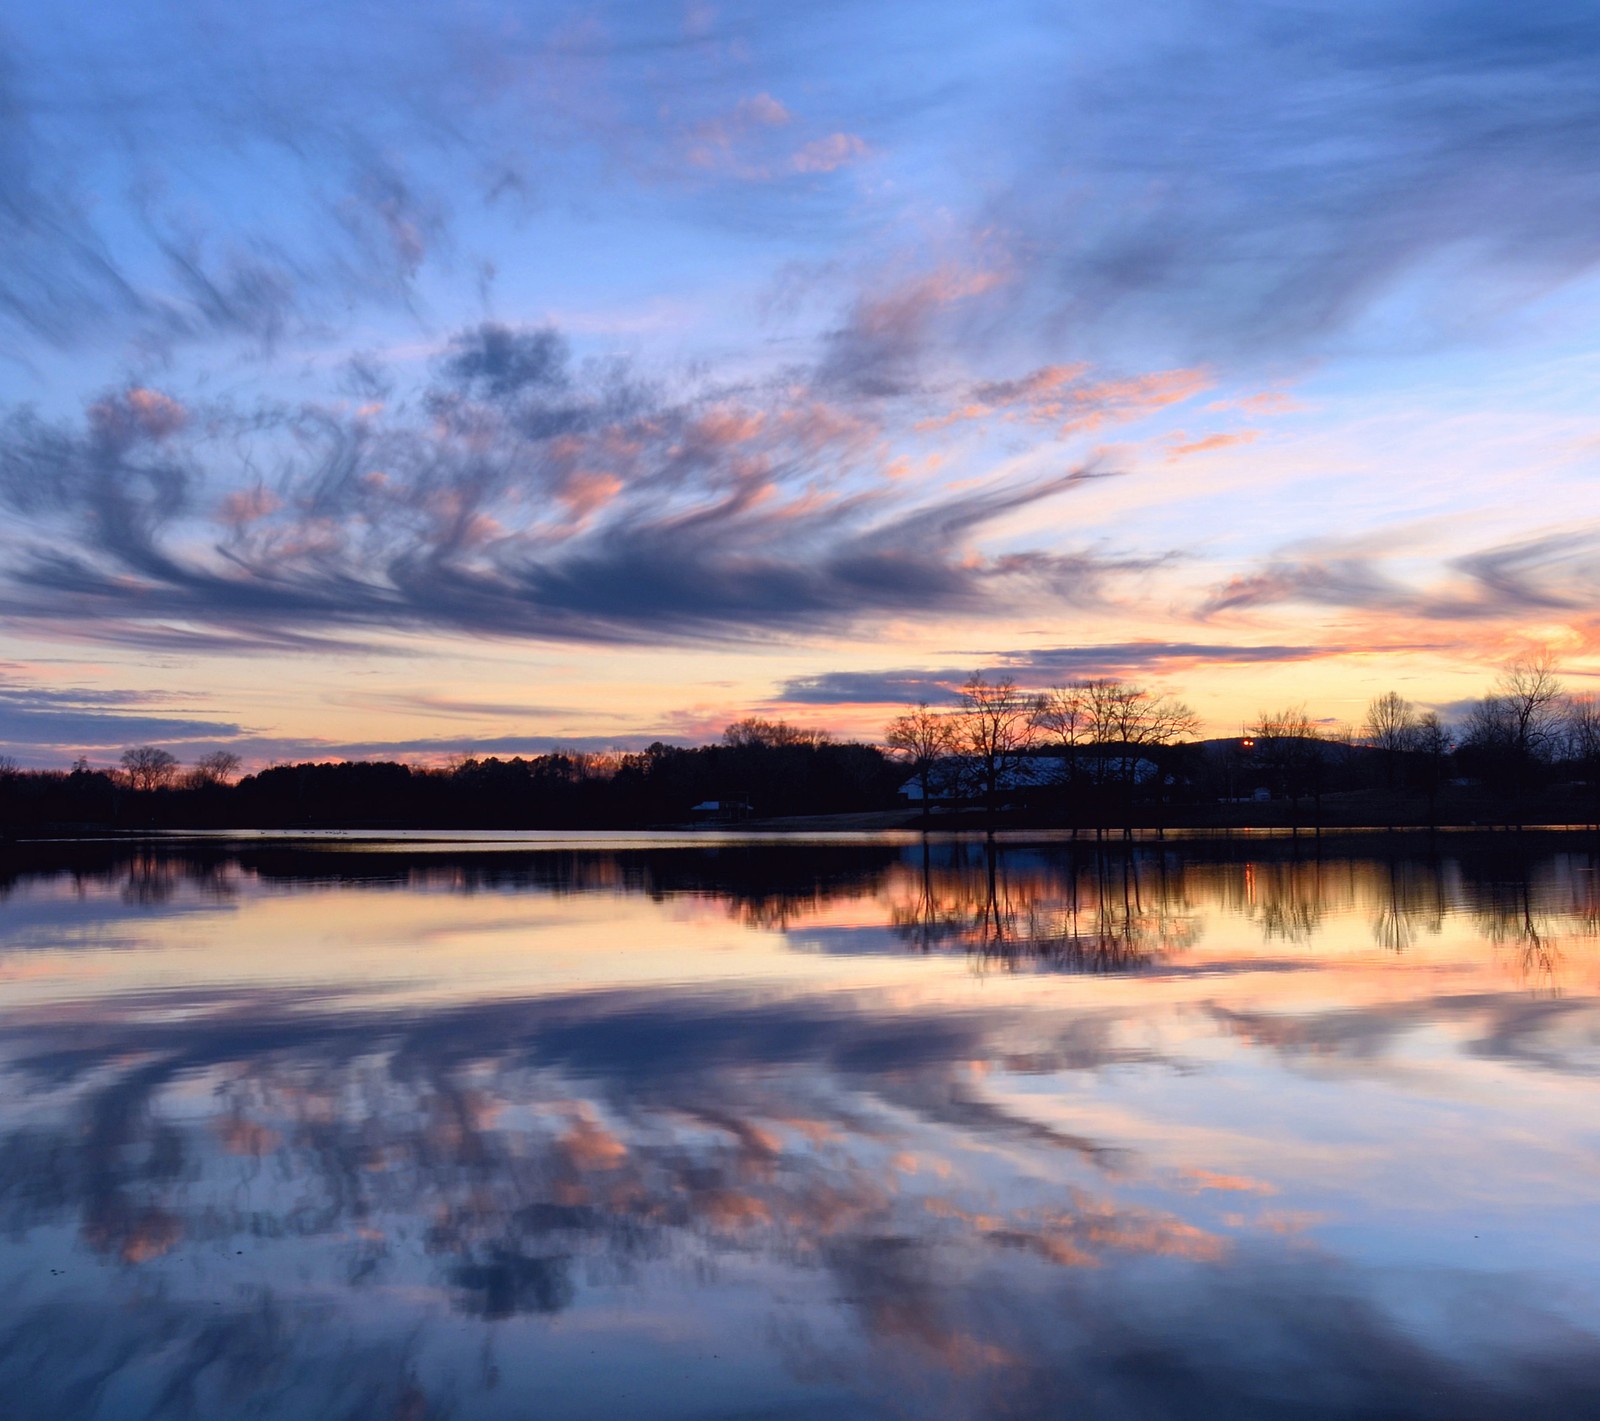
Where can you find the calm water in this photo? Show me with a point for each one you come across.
(764, 1131)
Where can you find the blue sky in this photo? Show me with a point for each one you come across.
(416, 378)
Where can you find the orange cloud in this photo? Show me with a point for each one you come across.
(1183, 450)
(589, 1145)
(740, 144)
(1060, 395)
(1263, 402)
(1197, 1179)
(729, 1210)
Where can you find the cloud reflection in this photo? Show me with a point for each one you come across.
(244, 1183)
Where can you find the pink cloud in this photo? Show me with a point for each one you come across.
(1060, 395)
(247, 506)
(726, 427)
(715, 143)
(825, 155)
(816, 425)
(137, 413)
(586, 493)
(763, 110)
(1184, 449)
(1264, 402)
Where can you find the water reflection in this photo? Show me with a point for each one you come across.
(1088, 909)
(1089, 912)
(936, 1130)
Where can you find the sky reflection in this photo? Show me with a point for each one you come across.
(800, 1131)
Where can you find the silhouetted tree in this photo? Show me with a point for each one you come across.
(1581, 733)
(148, 767)
(1514, 731)
(216, 768)
(995, 727)
(1522, 714)
(753, 730)
(1063, 717)
(922, 737)
(1123, 725)
(1391, 727)
(1432, 745)
(1289, 748)
(1128, 716)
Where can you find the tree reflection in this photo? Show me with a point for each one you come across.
(1411, 902)
(1065, 907)
(1511, 914)
(1087, 910)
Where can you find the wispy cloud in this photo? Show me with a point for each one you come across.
(71, 719)
(1262, 180)
(1180, 446)
(1550, 573)
(519, 494)
(1038, 669)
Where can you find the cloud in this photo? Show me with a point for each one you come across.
(1261, 182)
(121, 217)
(1532, 1033)
(724, 142)
(1239, 185)
(72, 719)
(1182, 447)
(881, 348)
(426, 749)
(1550, 572)
(1038, 668)
(827, 155)
(517, 495)
(501, 362)
(1072, 400)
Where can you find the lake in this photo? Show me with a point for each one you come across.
(531, 1127)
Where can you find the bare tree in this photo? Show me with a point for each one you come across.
(1433, 747)
(996, 726)
(1288, 745)
(1144, 719)
(1125, 719)
(1063, 717)
(1581, 727)
(768, 734)
(1582, 735)
(1521, 716)
(923, 737)
(215, 768)
(1116, 722)
(1391, 727)
(148, 767)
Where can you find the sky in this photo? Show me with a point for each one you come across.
(416, 380)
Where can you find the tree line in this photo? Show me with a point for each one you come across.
(1098, 751)
(1114, 741)
(772, 767)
